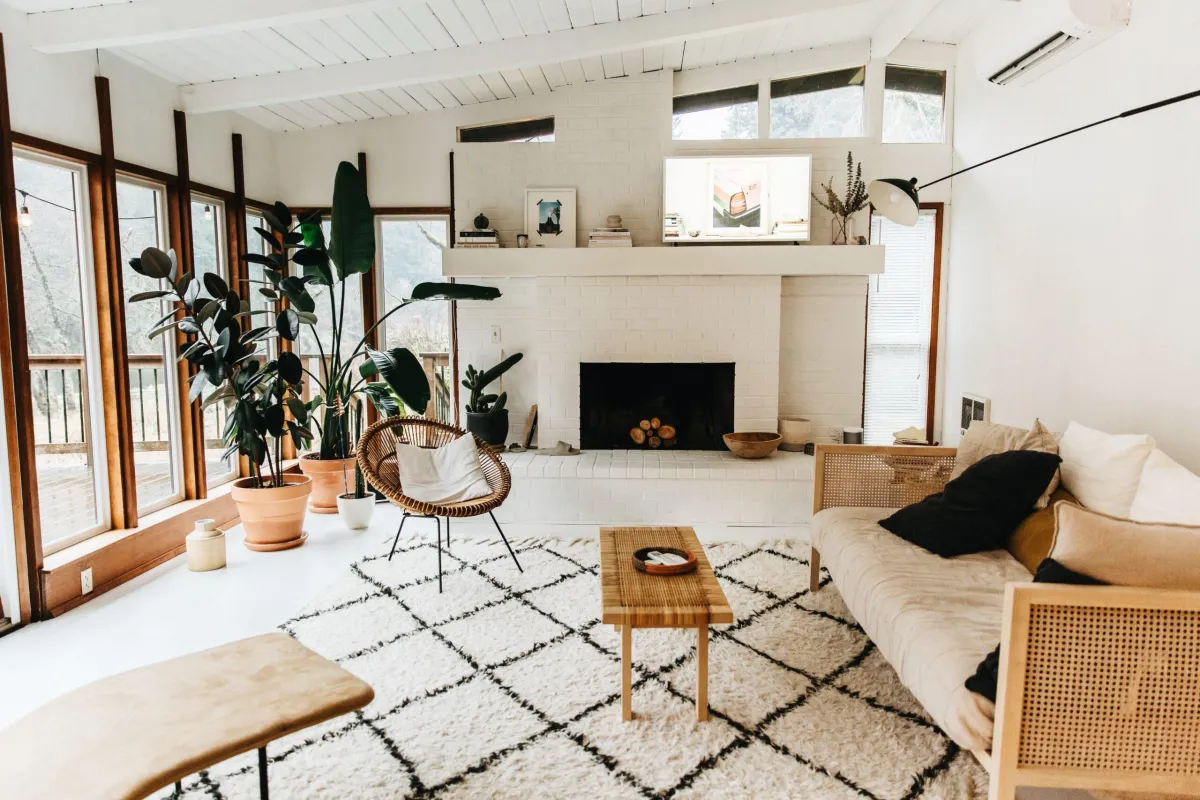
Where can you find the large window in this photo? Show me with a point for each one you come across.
(208, 249)
(724, 114)
(411, 253)
(826, 105)
(153, 379)
(901, 307)
(60, 308)
(914, 105)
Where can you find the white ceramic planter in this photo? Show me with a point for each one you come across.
(356, 512)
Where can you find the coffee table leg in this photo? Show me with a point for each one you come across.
(626, 672)
(702, 673)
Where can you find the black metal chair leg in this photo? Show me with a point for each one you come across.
(397, 539)
(447, 534)
(439, 534)
(179, 788)
(506, 544)
(262, 774)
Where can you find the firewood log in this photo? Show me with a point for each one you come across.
(645, 424)
(638, 435)
(667, 432)
(655, 423)
(655, 441)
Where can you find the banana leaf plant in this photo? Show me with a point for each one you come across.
(301, 259)
(223, 345)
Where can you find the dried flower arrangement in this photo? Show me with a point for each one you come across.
(843, 209)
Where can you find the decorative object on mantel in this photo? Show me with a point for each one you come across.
(653, 433)
(482, 236)
(796, 432)
(615, 236)
(480, 222)
(613, 221)
(852, 435)
(897, 199)
(752, 444)
(487, 417)
(843, 209)
(522, 240)
(664, 561)
(550, 217)
(205, 546)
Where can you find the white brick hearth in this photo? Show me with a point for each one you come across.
(669, 487)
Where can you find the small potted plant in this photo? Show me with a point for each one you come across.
(843, 209)
(487, 417)
(357, 507)
(260, 394)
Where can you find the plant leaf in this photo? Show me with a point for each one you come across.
(352, 225)
(454, 291)
(268, 236)
(290, 368)
(140, 296)
(215, 284)
(403, 372)
(288, 325)
(197, 387)
(154, 263)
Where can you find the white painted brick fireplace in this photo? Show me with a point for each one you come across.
(663, 319)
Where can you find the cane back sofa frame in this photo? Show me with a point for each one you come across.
(1099, 685)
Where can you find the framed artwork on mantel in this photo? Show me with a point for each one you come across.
(550, 217)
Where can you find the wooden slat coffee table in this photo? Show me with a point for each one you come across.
(633, 599)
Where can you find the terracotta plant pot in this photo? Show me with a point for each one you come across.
(356, 512)
(329, 477)
(273, 518)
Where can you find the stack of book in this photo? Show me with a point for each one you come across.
(478, 238)
(672, 225)
(791, 227)
(610, 237)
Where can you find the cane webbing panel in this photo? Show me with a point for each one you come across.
(881, 480)
(1115, 689)
(634, 598)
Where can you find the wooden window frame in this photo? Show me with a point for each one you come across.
(934, 324)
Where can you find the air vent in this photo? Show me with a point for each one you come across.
(1044, 51)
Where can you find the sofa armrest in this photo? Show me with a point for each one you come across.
(1099, 689)
(878, 477)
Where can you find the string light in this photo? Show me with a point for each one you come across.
(208, 213)
(24, 218)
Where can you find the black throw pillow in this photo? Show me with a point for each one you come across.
(979, 509)
(987, 676)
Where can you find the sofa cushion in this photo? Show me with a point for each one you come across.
(1127, 553)
(1101, 469)
(1167, 492)
(1030, 543)
(933, 619)
(979, 509)
(984, 439)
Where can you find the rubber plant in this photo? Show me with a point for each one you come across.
(223, 346)
(301, 258)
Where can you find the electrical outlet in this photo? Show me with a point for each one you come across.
(85, 581)
(495, 334)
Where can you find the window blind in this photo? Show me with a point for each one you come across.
(899, 320)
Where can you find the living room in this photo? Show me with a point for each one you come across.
(749, 444)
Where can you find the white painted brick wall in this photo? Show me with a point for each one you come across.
(822, 336)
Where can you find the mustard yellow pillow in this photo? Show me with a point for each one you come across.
(1030, 543)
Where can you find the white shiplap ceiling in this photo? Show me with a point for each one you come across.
(270, 50)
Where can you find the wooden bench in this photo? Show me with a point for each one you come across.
(129, 735)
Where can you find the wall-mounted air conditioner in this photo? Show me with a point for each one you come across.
(1025, 40)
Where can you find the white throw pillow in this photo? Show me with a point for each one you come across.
(1167, 492)
(1103, 470)
(447, 474)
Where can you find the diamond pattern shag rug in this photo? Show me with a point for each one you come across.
(507, 686)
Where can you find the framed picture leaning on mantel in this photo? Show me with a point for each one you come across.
(550, 217)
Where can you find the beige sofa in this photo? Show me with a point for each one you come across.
(1099, 686)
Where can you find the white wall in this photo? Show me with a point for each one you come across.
(54, 98)
(1073, 283)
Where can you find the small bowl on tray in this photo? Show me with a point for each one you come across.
(640, 563)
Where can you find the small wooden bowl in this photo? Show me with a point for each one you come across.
(639, 562)
(752, 444)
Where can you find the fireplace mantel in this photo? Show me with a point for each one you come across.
(685, 259)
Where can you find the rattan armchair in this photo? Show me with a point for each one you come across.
(377, 459)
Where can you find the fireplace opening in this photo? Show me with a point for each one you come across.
(634, 406)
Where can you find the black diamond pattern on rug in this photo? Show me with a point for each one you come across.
(507, 686)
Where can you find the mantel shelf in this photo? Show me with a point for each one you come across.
(513, 262)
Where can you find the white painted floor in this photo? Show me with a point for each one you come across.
(170, 611)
